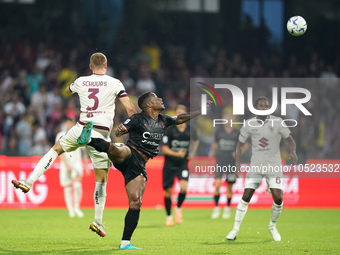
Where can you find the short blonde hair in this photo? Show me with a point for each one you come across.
(98, 60)
(180, 106)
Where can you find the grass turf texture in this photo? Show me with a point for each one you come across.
(53, 232)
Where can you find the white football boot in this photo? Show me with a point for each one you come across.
(216, 213)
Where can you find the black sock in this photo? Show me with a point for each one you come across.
(131, 222)
(167, 202)
(180, 199)
(216, 198)
(99, 144)
(229, 200)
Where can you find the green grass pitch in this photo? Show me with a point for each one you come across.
(53, 232)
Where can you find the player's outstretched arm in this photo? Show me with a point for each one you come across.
(130, 108)
(292, 149)
(185, 117)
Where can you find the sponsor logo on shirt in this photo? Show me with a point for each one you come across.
(263, 142)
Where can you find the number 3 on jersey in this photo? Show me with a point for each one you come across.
(96, 101)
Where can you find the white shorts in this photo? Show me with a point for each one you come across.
(68, 142)
(274, 180)
(65, 177)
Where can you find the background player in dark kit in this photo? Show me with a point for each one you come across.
(175, 147)
(223, 147)
(146, 130)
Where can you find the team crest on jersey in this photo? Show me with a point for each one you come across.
(127, 121)
(271, 129)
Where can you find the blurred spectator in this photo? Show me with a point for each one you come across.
(6, 80)
(39, 101)
(66, 77)
(13, 109)
(40, 144)
(53, 98)
(24, 133)
(12, 149)
(155, 53)
(145, 83)
(125, 78)
(34, 80)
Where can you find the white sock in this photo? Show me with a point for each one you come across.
(68, 198)
(99, 201)
(43, 165)
(123, 243)
(276, 211)
(168, 217)
(241, 211)
(77, 194)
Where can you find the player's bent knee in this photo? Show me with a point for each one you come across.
(135, 204)
(183, 191)
(278, 201)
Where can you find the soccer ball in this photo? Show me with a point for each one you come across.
(296, 26)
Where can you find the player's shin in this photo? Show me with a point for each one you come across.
(43, 165)
(276, 211)
(68, 200)
(77, 193)
(167, 202)
(180, 200)
(99, 201)
(131, 222)
(241, 211)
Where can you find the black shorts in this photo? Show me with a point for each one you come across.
(171, 171)
(132, 166)
(229, 168)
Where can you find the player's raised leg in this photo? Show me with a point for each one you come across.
(43, 165)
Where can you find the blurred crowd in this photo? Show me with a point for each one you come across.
(33, 77)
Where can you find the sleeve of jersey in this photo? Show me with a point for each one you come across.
(59, 135)
(74, 87)
(169, 120)
(130, 123)
(244, 134)
(284, 131)
(120, 90)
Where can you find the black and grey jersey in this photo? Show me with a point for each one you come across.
(177, 140)
(226, 143)
(146, 133)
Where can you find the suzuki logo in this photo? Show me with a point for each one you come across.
(263, 142)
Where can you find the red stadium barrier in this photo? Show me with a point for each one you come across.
(299, 192)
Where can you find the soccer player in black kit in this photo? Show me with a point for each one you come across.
(175, 147)
(223, 147)
(146, 130)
